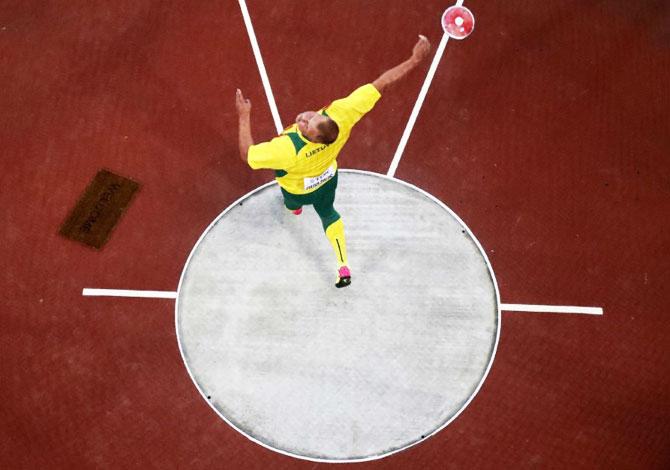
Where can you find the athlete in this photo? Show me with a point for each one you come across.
(304, 155)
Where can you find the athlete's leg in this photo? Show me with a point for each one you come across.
(335, 235)
(334, 228)
(323, 200)
(291, 203)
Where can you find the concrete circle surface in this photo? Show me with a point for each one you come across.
(330, 374)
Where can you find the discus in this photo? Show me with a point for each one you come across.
(458, 22)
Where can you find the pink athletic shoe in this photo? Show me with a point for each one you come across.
(344, 277)
(297, 211)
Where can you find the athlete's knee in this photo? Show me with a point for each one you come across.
(329, 219)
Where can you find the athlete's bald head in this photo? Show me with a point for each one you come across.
(317, 127)
(328, 131)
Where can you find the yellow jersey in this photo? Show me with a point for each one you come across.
(302, 166)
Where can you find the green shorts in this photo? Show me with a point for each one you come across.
(322, 199)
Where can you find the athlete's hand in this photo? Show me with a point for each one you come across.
(421, 49)
(242, 104)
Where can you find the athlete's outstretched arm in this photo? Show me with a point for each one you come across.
(420, 52)
(244, 116)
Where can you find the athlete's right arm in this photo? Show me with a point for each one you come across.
(245, 140)
(274, 155)
(420, 52)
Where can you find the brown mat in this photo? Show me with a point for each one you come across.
(99, 209)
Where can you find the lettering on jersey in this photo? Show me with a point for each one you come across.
(316, 150)
(311, 183)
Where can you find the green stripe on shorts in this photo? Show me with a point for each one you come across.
(325, 192)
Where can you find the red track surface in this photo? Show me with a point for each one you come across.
(546, 131)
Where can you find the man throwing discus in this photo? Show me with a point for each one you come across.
(304, 155)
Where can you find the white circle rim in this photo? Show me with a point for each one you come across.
(373, 457)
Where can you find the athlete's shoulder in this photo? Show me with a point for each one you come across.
(296, 141)
(274, 154)
(349, 110)
(363, 95)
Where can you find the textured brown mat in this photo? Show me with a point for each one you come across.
(99, 209)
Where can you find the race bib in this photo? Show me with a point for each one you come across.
(311, 183)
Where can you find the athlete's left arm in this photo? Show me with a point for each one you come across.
(243, 106)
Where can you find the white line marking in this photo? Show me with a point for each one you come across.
(417, 106)
(152, 294)
(551, 309)
(261, 67)
(419, 102)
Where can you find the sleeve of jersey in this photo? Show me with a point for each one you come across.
(348, 111)
(276, 154)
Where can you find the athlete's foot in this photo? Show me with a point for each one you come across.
(297, 211)
(343, 277)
